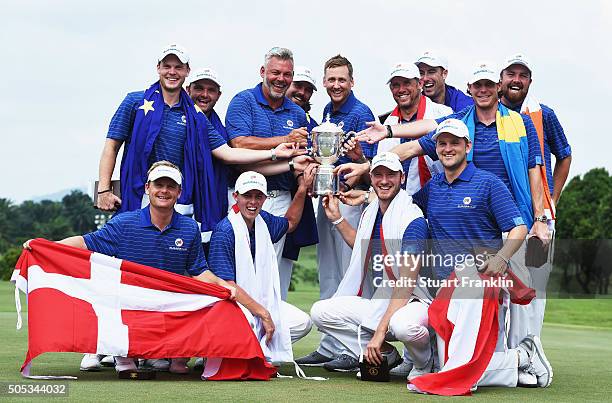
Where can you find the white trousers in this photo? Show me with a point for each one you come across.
(277, 206)
(298, 321)
(528, 319)
(333, 257)
(340, 317)
(503, 367)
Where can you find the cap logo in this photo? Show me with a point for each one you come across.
(178, 242)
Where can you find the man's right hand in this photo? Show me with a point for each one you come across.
(299, 136)
(108, 202)
(331, 207)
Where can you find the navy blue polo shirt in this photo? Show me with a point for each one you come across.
(354, 114)
(170, 142)
(456, 99)
(486, 153)
(222, 255)
(132, 236)
(469, 213)
(250, 114)
(555, 142)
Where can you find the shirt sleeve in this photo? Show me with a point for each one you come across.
(238, 119)
(196, 262)
(105, 240)
(421, 198)
(221, 256)
(415, 237)
(122, 122)
(429, 145)
(535, 155)
(277, 226)
(555, 136)
(215, 140)
(503, 207)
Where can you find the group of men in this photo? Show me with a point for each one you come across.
(465, 171)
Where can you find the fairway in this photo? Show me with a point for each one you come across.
(581, 356)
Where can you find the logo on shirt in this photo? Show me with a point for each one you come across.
(178, 242)
(179, 245)
(289, 122)
(467, 200)
(183, 121)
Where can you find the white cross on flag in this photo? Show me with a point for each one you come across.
(80, 301)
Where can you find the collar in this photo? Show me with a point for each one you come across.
(145, 219)
(515, 108)
(259, 97)
(465, 175)
(347, 106)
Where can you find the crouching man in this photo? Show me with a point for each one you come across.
(375, 298)
(242, 253)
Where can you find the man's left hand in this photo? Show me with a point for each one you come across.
(288, 150)
(494, 266)
(540, 230)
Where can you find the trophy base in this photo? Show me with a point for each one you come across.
(325, 181)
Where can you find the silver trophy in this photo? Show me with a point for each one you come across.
(327, 146)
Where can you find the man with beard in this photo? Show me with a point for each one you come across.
(300, 91)
(516, 77)
(261, 118)
(411, 105)
(366, 302)
(434, 70)
(162, 124)
(333, 254)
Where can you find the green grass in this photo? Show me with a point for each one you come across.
(581, 356)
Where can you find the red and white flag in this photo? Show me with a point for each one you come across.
(466, 319)
(80, 301)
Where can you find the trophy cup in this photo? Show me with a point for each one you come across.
(327, 141)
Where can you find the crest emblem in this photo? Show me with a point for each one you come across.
(467, 200)
(178, 242)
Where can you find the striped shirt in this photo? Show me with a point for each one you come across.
(467, 214)
(555, 142)
(132, 236)
(486, 153)
(222, 255)
(353, 114)
(250, 114)
(170, 142)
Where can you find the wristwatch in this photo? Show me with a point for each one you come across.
(291, 166)
(273, 151)
(541, 218)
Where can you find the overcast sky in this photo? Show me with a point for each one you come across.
(68, 64)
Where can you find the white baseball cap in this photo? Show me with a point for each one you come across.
(251, 180)
(484, 71)
(455, 127)
(164, 171)
(404, 69)
(517, 58)
(387, 159)
(204, 74)
(174, 49)
(432, 59)
(301, 73)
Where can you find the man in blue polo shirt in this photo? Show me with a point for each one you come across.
(434, 70)
(249, 228)
(366, 296)
(516, 78)
(150, 236)
(468, 209)
(333, 254)
(261, 118)
(162, 123)
(521, 175)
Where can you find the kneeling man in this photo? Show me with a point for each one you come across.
(242, 253)
(377, 297)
